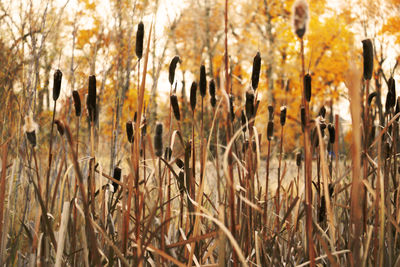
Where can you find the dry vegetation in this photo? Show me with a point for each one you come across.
(206, 186)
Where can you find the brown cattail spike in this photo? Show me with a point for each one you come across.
(30, 128)
(203, 81)
(243, 119)
(298, 159)
(139, 40)
(116, 176)
(322, 112)
(231, 108)
(307, 87)
(255, 75)
(211, 88)
(303, 118)
(77, 103)
(392, 88)
(270, 130)
(300, 17)
(91, 99)
(129, 131)
(390, 102)
(158, 144)
(175, 106)
(57, 84)
(172, 68)
(283, 115)
(60, 127)
(331, 130)
(193, 91)
(249, 104)
(371, 97)
(368, 56)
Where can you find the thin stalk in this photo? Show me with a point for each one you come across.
(50, 155)
(266, 184)
(279, 176)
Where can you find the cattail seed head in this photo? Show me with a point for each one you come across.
(91, 99)
(211, 88)
(300, 17)
(60, 127)
(255, 75)
(371, 97)
(322, 112)
(331, 130)
(158, 144)
(129, 131)
(203, 81)
(368, 56)
(57, 84)
(30, 128)
(243, 120)
(213, 101)
(271, 113)
(180, 163)
(172, 67)
(390, 101)
(116, 176)
(249, 104)
(392, 87)
(303, 117)
(175, 106)
(77, 103)
(298, 159)
(139, 40)
(307, 87)
(144, 127)
(193, 91)
(270, 130)
(283, 115)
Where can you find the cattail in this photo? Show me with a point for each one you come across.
(203, 81)
(30, 128)
(307, 87)
(283, 115)
(57, 84)
(300, 17)
(270, 130)
(139, 40)
(91, 99)
(129, 131)
(193, 91)
(368, 56)
(135, 117)
(271, 113)
(371, 97)
(180, 163)
(158, 144)
(249, 104)
(322, 210)
(144, 127)
(60, 127)
(181, 182)
(331, 130)
(168, 153)
(392, 88)
(77, 103)
(298, 159)
(172, 67)
(243, 119)
(303, 117)
(211, 88)
(255, 75)
(390, 101)
(231, 108)
(116, 176)
(175, 106)
(322, 112)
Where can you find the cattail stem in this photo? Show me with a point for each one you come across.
(279, 175)
(50, 154)
(266, 184)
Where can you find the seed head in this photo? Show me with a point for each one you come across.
(368, 56)
(116, 176)
(172, 67)
(300, 17)
(129, 131)
(371, 97)
(331, 130)
(255, 75)
(322, 112)
(60, 127)
(57, 84)
(307, 87)
(193, 91)
(211, 88)
(77, 103)
(271, 113)
(303, 117)
(203, 81)
(231, 108)
(91, 99)
(392, 87)
(270, 130)
(298, 159)
(30, 128)
(249, 104)
(243, 119)
(175, 106)
(283, 115)
(158, 144)
(139, 40)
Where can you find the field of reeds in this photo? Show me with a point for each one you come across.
(207, 192)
